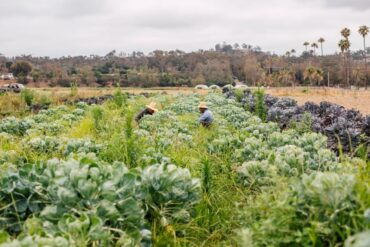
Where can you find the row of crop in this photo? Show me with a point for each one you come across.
(320, 209)
(345, 129)
(50, 121)
(46, 145)
(86, 201)
(319, 195)
(303, 194)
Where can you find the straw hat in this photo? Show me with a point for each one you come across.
(203, 105)
(151, 106)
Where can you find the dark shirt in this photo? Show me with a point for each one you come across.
(142, 113)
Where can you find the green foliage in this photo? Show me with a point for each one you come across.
(49, 121)
(261, 109)
(256, 175)
(12, 125)
(97, 114)
(86, 199)
(74, 179)
(318, 211)
(44, 100)
(169, 193)
(304, 125)
(206, 176)
(28, 96)
(239, 93)
(130, 141)
(119, 98)
(21, 68)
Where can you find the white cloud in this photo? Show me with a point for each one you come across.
(74, 27)
(356, 4)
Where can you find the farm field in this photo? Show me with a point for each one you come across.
(80, 175)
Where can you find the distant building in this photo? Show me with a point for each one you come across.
(8, 76)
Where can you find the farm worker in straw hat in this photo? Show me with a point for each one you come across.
(148, 110)
(206, 117)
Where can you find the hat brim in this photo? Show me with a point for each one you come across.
(151, 108)
(202, 107)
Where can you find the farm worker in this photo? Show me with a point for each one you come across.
(148, 110)
(206, 116)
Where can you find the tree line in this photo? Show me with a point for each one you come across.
(225, 64)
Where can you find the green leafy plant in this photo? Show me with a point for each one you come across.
(28, 96)
(261, 109)
(97, 115)
(119, 98)
(68, 178)
(169, 193)
(304, 125)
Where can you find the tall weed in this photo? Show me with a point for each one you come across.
(97, 115)
(74, 88)
(28, 96)
(119, 98)
(261, 110)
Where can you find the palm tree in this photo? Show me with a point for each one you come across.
(321, 41)
(364, 31)
(319, 76)
(314, 46)
(306, 44)
(287, 54)
(344, 46)
(345, 32)
(293, 51)
(358, 76)
(286, 77)
(313, 75)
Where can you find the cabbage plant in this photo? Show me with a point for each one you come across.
(169, 193)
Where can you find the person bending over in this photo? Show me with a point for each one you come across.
(148, 110)
(206, 116)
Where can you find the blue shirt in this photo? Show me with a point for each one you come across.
(206, 118)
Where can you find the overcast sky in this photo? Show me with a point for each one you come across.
(83, 27)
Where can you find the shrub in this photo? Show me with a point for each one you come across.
(28, 96)
(45, 100)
